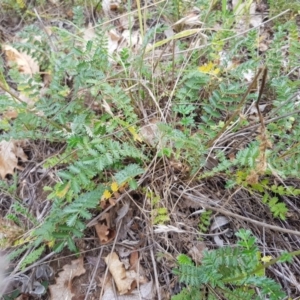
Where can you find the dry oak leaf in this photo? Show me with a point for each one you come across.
(119, 274)
(62, 290)
(9, 154)
(26, 64)
(105, 234)
(104, 229)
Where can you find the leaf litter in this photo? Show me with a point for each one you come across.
(129, 283)
(62, 289)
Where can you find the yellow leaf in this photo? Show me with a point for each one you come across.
(21, 3)
(114, 187)
(266, 258)
(2, 79)
(61, 193)
(135, 135)
(51, 243)
(22, 241)
(106, 195)
(209, 68)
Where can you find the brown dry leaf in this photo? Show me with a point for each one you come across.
(113, 40)
(134, 260)
(10, 114)
(192, 19)
(9, 232)
(196, 252)
(9, 154)
(252, 178)
(104, 230)
(150, 133)
(110, 6)
(62, 290)
(112, 201)
(104, 204)
(119, 274)
(263, 47)
(25, 63)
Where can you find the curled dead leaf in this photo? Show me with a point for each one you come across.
(123, 279)
(104, 230)
(26, 64)
(150, 133)
(192, 19)
(9, 154)
(63, 287)
(136, 285)
(196, 252)
(105, 234)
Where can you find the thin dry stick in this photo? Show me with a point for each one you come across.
(155, 273)
(254, 127)
(53, 48)
(37, 263)
(94, 274)
(261, 224)
(154, 100)
(12, 92)
(42, 261)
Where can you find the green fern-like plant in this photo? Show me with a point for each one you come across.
(228, 271)
(33, 256)
(100, 144)
(270, 193)
(160, 215)
(204, 221)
